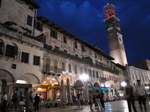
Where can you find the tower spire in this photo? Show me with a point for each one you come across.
(109, 10)
(115, 40)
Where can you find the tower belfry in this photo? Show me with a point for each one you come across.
(115, 40)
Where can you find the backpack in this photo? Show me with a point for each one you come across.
(14, 97)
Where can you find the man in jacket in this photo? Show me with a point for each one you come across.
(141, 92)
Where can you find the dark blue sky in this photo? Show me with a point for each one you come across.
(84, 18)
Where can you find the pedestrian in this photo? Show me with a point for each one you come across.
(4, 102)
(129, 93)
(91, 99)
(74, 99)
(41, 100)
(102, 98)
(28, 103)
(81, 100)
(97, 100)
(78, 99)
(15, 99)
(21, 102)
(141, 93)
(36, 101)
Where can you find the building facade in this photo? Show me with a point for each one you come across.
(143, 64)
(38, 54)
(134, 74)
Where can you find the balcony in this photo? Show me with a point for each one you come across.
(51, 71)
(12, 30)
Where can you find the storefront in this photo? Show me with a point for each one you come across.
(49, 88)
(6, 83)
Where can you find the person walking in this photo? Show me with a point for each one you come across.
(28, 103)
(141, 93)
(81, 100)
(78, 99)
(129, 91)
(36, 101)
(97, 103)
(102, 98)
(21, 102)
(15, 99)
(4, 102)
(91, 99)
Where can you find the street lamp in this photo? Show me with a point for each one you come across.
(84, 77)
(123, 84)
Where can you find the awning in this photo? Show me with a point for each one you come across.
(105, 88)
(90, 88)
(98, 88)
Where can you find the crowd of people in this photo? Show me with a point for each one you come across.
(20, 102)
(32, 102)
(96, 98)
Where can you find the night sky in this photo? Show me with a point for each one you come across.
(84, 18)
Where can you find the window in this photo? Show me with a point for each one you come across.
(85, 70)
(29, 20)
(69, 68)
(95, 55)
(90, 52)
(25, 57)
(31, 7)
(55, 66)
(36, 60)
(13, 66)
(93, 73)
(81, 70)
(63, 66)
(64, 40)
(75, 45)
(1, 47)
(83, 48)
(47, 64)
(38, 26)
(0, 2)
(90, 73)
(53, 33)
(75, 69)
(96, 74)
(11, 51)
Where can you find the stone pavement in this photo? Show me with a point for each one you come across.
(115, 106)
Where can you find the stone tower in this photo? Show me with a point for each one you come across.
(115, 40)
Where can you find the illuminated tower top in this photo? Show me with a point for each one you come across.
(109, 10)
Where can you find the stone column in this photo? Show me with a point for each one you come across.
(86, 92)
(0, 90)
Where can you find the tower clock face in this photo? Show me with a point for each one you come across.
(120, 38)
